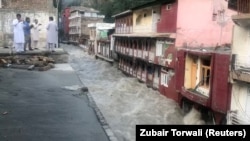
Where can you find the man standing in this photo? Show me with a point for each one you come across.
(18, 33)
(52, 35)
(27, 35)
(35, 33)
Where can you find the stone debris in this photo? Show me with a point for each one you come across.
(4, 113)
(39, 63)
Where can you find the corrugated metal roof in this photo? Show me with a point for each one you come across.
(122, 13)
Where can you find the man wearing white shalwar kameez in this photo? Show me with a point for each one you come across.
(35, 33)
(18, 33)
(52, 35)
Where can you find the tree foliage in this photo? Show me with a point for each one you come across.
(106, 7)
(112, 7)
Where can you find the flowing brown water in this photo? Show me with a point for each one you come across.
(123, 101)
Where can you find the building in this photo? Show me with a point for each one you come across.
(203, 57)
(35, 9)
(240, 66)
(65, 22)
(157, 42)
(79, 18)
(100, 42)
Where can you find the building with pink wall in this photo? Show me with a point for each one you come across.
(164, 48)
(203, 23)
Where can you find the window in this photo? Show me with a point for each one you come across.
(198, 74)
(93, 14)
(168, 7)
(205, 76)
(232, 4)
(161, 48)
(164, 79)
(87, 14)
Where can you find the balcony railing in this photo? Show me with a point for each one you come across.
(139, 74)
(145, 54)
(131, 71)
(139, 54)
(144, 76)
(151, 56)
(241, 62)
(243, 6)
(135, 53)
(240, 68)
(134, 72)
(237, 118)
(131, 52)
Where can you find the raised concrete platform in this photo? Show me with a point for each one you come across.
(60, 56)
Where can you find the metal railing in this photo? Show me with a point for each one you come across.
(235, 118)
(241, 62)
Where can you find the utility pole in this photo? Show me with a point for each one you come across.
(57, 15)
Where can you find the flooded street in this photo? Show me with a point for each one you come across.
(123, 101)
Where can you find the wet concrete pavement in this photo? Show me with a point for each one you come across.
(34, 106)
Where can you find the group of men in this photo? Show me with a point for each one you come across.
(23, 36)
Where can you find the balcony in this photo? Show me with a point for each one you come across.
(240, 68)
(135, 53)
(145, 55)
(243, 16)
(131, 71)
(139, 55)
(130, 52)
(151, 56)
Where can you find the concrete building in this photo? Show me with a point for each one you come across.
(240, 66)
(35, 9)
(101, 43)
(158, 41)
(79, 18)
(65, 22)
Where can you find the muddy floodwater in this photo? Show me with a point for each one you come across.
(123, 101)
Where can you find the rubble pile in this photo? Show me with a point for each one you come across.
(39, 63)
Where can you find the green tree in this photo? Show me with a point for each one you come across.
(112, 7)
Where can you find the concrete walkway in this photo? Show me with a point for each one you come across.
(38, 51)
(45, 106)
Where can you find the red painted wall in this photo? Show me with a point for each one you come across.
(220, 85)
(170, 91)
(66, 14)
(168, 22)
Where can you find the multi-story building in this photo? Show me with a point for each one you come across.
(65, 22)
(100, 42)
(79, 18)
(179, 47)
(240, 66)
